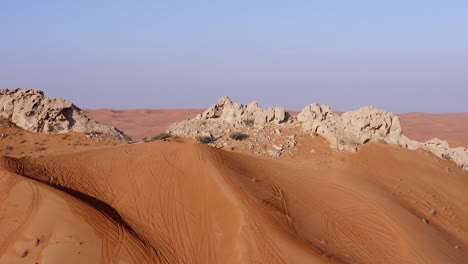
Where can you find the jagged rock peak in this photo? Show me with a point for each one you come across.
(236, 113)
(33, 111)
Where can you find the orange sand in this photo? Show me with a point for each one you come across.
(141, 123)
(170, 202)
(451, 127)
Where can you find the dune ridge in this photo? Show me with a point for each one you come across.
(188, 203)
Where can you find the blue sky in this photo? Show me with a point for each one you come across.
(402, 56)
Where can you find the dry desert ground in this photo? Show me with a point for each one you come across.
(78, 198)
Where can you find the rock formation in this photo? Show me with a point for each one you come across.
(442, 149)
(321, 120)
(237, 114)
(226, 115)
(32, 111)
(353, 128)
(345, 133)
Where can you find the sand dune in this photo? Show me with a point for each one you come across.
(46, 225)
(169, 202)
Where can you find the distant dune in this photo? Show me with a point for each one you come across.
(146, 123)
(452, 127)
(141, 123)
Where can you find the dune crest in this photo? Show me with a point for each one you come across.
(188, 203)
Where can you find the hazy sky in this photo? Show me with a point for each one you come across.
(402, 56)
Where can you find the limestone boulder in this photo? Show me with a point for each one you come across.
(320, 119)
(33, 111)
(371, 124)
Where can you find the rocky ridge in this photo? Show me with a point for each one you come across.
(32, 111)
(237, 114)
(344, 132)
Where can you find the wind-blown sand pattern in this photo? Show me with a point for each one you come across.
(170, 202)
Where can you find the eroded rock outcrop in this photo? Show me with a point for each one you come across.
(344, 132)
(373, 124)
(238, 114)
(354, 128)
(226, 115)
(442, 149)
(32, 111)
(320, 119)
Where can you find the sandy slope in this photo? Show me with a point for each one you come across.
(188, 203)
(20, 143)
(40, 224)
(147, 123)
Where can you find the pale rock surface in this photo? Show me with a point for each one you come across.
(320, 119)
(353, 128)
(442, 149)
(345, 133)
(32, 111)
(226, 115)
(373, 124)
(236, 114)
(369, 123)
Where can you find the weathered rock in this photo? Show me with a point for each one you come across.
(278, 147)
(354, 128)
(291, 143)
(442, 149)
(320, 119)
(236, 114)
(207, 134)
(344, 133)
(369, 123)
(226, 114)
(274, 153)
(32, 111)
